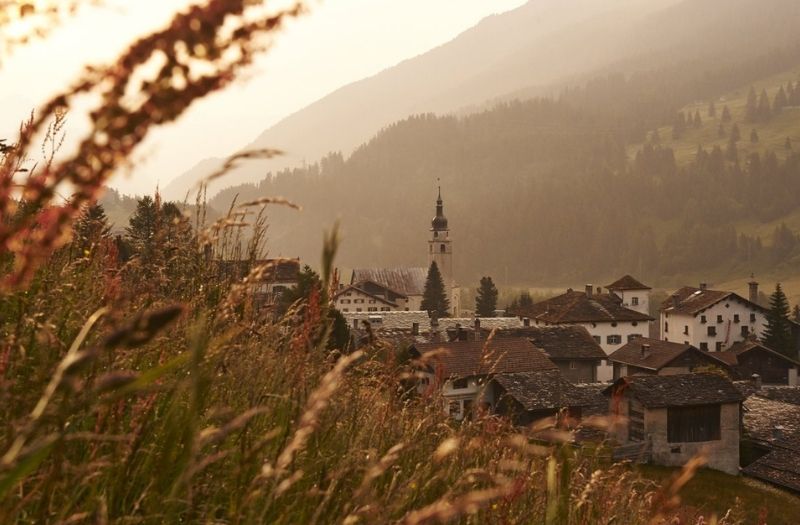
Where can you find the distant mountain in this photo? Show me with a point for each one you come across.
(553, 190)
(539, 44)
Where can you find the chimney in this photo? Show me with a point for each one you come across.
(645, 350)
(753, 289)
(703, 286)
(526, 321)
(414, 328)
(589, 290)
(675, 301)
(756, 379)
(477, 329)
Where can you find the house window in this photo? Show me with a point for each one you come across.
(686, 329)
(703, 319)
(745, 330)
(597, 339)
(455, 408)
(634, 337)
(735, 318)
(718, 346)
(634, 301)
(635, 323)
(359, 310)
(614, 339)
(693, 424)
(666, 327)
(460, 383)
(614, 324)
(573, 365)
(345, 309)
(385, 308)
(719, 319)
(712, 331)
(442, 248)
(704, 347)
(372, 309)
(372, 301)
(752, 318)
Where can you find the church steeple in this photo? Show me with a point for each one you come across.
(439, 223)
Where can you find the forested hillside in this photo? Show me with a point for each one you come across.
(547, 190)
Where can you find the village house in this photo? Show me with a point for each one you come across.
(273, 278)
(647, 356)
(677, 417)
(632, 294)
(462, 370)
(711, 320)
(368, 296)
(749, 357)
(576, 353)
(527, 397)
(603, 315)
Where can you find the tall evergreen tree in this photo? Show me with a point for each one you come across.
(754, 136)
(91, 228)
(434, 298)
(726, 114)
(796, 313)
(736, 135)
(781, 101)
(764, 111)
(486, 300)
(141, 230)
(698, 120)
(721, 130)
(712, 109)
(751, 110)
(777, 332)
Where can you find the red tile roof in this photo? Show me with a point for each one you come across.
(460, 359)
(577, 307)
(659, 355)
(627, 283)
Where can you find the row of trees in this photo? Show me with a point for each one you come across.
(436, 302)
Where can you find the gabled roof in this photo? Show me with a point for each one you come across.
(544, 390)
(577, 307)
(731, 355)
(406, 281)
(659, 355)
(563, 341)
(693, 300)
(458, 359)
(779, 467)
(655, 391)
(352, 287)
(627, 283)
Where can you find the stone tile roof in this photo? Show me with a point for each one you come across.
(487, 323)
(406, 281)
(545, 390)
(391, 320)
(458, 359)
(627, 283)
(678, 390)
(731, 355)
(577, 307)
(693, 300)
(660, 354)
(779, 467)
(561, 341)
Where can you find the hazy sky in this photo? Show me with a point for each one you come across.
(339, 42)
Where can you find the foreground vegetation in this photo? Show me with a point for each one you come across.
(151, 391)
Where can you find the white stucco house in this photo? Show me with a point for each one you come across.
(604, 316)
(711, 320)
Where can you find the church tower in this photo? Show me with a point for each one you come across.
(440, 250)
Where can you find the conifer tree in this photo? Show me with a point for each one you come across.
(796, 313)
(777, 330)
(141, 228)
(486, 300)
(754, 136)
(732, 152)
(735, 133)
(91, 228)
(726, 114)
(751, 110)
(712, 110)
(698, 121)
(764, 111)
(434, 298)
(781, 101)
